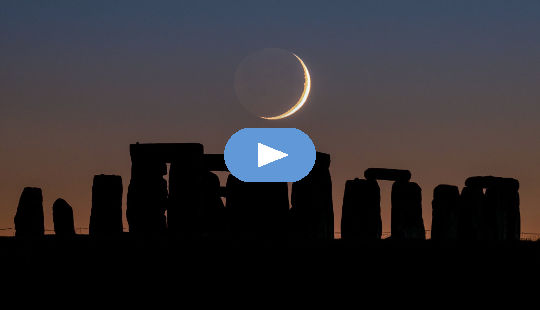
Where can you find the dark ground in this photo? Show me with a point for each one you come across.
(126, 252)
(408, 269)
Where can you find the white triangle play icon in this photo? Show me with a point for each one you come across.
(267, 155)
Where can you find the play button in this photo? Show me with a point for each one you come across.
(269, 154)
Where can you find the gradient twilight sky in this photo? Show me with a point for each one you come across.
(446, 89)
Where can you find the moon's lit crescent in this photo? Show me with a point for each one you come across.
(303, 97)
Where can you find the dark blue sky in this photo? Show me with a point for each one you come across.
(447, 89)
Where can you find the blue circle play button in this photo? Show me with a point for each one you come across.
(270, 154)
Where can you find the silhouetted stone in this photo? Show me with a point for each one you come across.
(186, 191)
(106, 213)
(407, 222)
(29, 216)
(212, 221)
(512, 228)
(387, 174)
(490, 181)
(191, 195)
(257, 210)
(312, 212)
(471, 214)
(495, 214)
(147, 197)
(445, 213)
(214, 162)
(502, 205)
(63, 219)
(361, 212)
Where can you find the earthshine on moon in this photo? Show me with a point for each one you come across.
(303, 97)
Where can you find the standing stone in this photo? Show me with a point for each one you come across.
(496, 213)
(212, 222)
(312, 211)
(512, 223)
(257, 210)
(502, 201)
(361, 212)
(29, 217)
(471, 214)
(186, 184)
(445, 206)
(407, 222)
(492, 214)
(63, 219)
(106, 213)
(147, 197)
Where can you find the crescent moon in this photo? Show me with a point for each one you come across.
(303, 97)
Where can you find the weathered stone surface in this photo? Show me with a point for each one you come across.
(106, 213)
(407, 222)
(312, 212)
(257, 210)
(29, 216)
(63, 219)
(361, 212)
(445, 206)
(387, 174)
